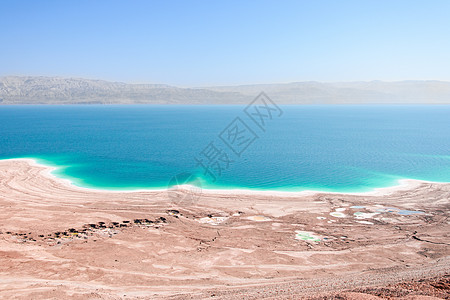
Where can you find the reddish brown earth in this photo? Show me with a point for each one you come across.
(59, 241)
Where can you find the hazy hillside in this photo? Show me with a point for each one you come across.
(350, 92)
(54, 90)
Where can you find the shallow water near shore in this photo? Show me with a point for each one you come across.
(322, 148)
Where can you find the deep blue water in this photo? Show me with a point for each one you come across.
(329, 148)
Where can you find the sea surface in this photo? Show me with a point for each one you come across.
(324, 148)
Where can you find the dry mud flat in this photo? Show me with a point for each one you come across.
(60, 241)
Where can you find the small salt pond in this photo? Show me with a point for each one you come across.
(212, 220)
(363, 215)
(258, 218)
(410, 212)
(306, 236)
(338, 214)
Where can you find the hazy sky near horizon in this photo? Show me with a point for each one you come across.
(200, 43)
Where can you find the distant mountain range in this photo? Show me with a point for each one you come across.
(57, 90)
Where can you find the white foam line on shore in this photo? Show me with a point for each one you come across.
(403, 185)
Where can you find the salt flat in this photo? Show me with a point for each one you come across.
(60, 241)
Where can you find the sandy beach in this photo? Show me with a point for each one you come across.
(62, 241)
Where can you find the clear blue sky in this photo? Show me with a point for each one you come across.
(198, 43)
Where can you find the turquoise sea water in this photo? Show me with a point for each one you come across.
(326, 148)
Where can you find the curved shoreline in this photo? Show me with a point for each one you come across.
(59, 240)
(403, 185)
